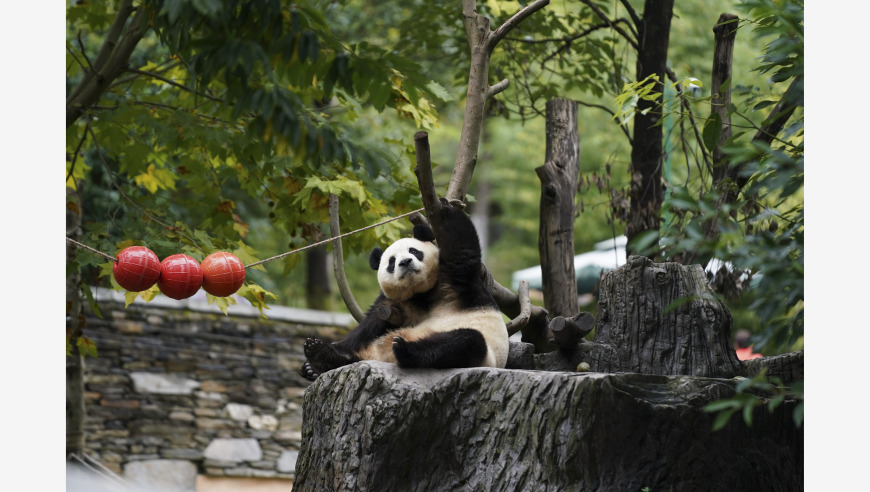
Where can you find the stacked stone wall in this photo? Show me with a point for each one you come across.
(195, 391)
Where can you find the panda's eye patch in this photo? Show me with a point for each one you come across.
(391, 266)
(417, 253)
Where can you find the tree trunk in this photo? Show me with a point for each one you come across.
(75, 403)
(112, 60)
(558, 178)
(317, 287)
(661, 318)
(646, 192)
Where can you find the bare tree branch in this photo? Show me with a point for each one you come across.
(632, 40)
(338, 262)
(684, 103)
(522, 319)
(174, 84)
(607, 110)
(633, 14)
(499, 87)
(511, 23)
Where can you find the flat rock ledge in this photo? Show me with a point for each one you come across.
(373, 426)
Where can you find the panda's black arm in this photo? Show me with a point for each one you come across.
(458, 245)
(374, 325)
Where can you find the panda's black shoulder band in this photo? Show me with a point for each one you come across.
(423, 233)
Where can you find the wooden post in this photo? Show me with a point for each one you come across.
(558, 178)
(725, 32)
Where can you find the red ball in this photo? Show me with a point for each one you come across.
(137, 268)
(180, 276)
(222, 274)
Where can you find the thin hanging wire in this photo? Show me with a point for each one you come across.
(282, 255)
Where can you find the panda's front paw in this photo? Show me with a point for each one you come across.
(404, 353)
(323, 356)
(308, 372)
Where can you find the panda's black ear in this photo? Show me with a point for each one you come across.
(375, 258)
(423, 233)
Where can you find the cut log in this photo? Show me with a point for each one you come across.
(373, 426)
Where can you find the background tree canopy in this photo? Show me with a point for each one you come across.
(196, 126)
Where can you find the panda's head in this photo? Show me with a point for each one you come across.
(408, 266)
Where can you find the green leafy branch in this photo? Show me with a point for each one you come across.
(747, 399)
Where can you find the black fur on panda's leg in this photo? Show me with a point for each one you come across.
(323, 356)
(463, 347)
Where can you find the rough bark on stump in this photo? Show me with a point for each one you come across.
(373, 426)
(661, 318)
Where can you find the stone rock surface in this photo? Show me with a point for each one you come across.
(374, 426)
(164, 475)
(238, 449)
(164, 384)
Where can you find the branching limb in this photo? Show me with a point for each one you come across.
(685, 105)
(111, 61)
(511, 23)
(174, 84)
(482, 41)
(499, 87)
(76, 153)
(622, 126)
(633, 14)
(338, 262)
(631, 39)
(522, 319)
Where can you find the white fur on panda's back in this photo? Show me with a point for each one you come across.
(444, 319)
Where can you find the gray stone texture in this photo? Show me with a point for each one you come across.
(234, 450)
(182, 379)
(163, 475)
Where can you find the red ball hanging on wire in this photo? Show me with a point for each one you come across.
(222, 274)
(137, 268)
(180, 276)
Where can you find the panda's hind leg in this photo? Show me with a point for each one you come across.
(324, 356)
(463, 347)
(308, 372)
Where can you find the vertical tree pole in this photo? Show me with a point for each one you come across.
(724, 34)
(558, 178)
(646, 191)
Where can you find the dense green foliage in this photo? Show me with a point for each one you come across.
(233, 115)
(233, 121)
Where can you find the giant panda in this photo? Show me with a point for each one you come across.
(443, 315)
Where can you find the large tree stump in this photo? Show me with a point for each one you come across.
(373, 426)
(661, 318)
